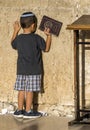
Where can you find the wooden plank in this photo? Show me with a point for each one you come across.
(83, 23)
(78, 27)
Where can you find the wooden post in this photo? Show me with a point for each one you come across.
(76, 75)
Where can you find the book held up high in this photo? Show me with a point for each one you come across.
(54, 25)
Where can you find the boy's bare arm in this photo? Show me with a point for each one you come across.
(16, 27)
(48, 39)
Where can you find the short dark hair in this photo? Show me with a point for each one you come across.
(27, 19)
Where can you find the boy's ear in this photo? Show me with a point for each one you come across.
(33, 25)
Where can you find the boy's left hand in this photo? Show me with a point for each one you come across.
(16, 26)
(47, 31)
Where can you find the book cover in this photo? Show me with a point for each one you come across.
(54, 25)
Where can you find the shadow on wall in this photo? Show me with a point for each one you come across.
(31, 127)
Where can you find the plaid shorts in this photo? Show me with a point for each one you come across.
(28, 83)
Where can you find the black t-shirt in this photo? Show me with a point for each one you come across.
(29, 48)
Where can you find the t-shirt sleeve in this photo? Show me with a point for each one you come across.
(42, 43)
(14, 44)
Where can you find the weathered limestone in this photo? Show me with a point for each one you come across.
(58, 63)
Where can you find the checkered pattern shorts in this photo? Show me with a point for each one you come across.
(28, 82)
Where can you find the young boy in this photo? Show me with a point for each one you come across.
(29, 47)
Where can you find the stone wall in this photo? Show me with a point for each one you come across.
(58, 63)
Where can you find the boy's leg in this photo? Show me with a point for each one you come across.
(21, 96)
(29, 100)
(19, 111)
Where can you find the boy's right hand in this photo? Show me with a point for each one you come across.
(16, 26)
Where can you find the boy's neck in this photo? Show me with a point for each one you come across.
(27, 30)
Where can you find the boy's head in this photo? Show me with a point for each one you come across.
(27, 19)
